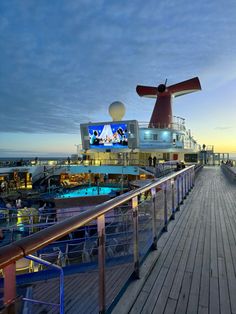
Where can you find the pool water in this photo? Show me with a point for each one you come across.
(90, 191)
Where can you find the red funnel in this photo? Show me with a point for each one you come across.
(162, 112)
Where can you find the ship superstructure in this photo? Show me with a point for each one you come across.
(165, 136)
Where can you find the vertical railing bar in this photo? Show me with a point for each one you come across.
(178, 193)
(186, 184)
(154, 222)
(136, 244)
(165, 207)
(190, 184)
(173, 198)
(191, 176)
(184, 175)
(101, 263)
(182, 188)
(57, 267)
(9, 283)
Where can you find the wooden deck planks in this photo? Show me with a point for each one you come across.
(196, 273)
(167, 257)
(81, 291)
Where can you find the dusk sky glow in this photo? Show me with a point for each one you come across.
(63, 62)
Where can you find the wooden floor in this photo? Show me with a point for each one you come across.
(195, 271)
(81, 291)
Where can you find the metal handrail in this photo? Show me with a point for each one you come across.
(36, 241)
(23, 248)
(58, 268)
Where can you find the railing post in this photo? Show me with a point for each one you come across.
(101, 263)
(173, 198)
(178, 192)
(189, 181)
(182, 189)
(165, 207)
(9, 284)
(56, 267)
(185, 190)
(136, 246)
(186, 183)
(193, 179)
(154, 219)
(187, 173)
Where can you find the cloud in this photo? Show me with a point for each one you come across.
(63, 63)
(17, 153)
(223, 128)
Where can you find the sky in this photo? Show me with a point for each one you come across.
(63, 62)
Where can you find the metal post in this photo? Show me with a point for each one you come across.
(178, 193)
(56, 267)
(182, 189)
(9, 283)
(193, 178)
(136, 246)
(101, 263)
(165, 208)
(189, 180)
(173, 198)
(154, 222)
(186, 183)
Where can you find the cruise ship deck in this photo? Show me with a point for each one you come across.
(195, 267)
(192, 270)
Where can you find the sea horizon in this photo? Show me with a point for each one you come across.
(61, 157)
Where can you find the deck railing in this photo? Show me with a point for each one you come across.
(175, 187)
(229, 171)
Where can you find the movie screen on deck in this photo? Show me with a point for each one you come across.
(108, 135)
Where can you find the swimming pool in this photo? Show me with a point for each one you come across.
(90, 191)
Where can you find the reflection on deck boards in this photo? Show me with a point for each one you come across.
(196, 265)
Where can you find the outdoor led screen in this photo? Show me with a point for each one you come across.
(107, 136)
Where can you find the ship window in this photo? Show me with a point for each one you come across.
(155, 137)
(132, 128)
(148, 136)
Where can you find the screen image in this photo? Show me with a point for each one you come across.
(107, 136)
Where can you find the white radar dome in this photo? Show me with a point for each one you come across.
(117, 110)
